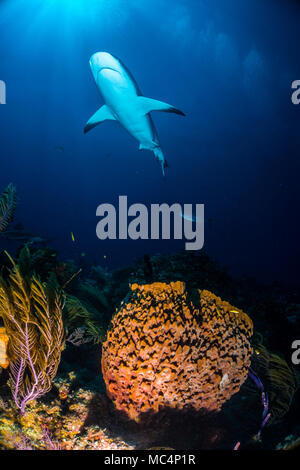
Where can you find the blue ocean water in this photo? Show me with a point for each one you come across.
(228, 65)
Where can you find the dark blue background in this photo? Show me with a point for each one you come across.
(228, 64)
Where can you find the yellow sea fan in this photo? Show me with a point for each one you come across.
(32, 316)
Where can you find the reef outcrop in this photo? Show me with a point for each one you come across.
(168, 348)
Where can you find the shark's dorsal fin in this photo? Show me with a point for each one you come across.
(103, 114)
(148, 104)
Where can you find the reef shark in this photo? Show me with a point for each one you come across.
(124, 103)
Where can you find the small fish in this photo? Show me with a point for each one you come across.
(72, 236)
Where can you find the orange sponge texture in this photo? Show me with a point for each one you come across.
(165, 350)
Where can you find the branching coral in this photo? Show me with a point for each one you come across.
(165, 350)
(32, 316)
(8, 202)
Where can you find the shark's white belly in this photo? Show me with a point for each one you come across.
(120, 95)
(138, 127)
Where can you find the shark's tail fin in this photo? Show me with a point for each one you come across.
(161, 158)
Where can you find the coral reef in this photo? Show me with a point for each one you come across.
(170, 349)
(73, 418)
(32, 316)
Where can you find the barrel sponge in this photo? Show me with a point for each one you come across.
(164, 351)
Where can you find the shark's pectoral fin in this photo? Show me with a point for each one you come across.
(103, 114)
(147, 105)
